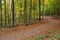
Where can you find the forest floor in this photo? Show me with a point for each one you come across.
(27, 32)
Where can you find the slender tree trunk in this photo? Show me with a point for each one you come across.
(58, 7)
(5, 12)
(13, 17)
(25, 13)
(39, 10)
(30, 12)
(34, 10)
(54, 9)
(8, 11)
(1, 12)
(43, 10)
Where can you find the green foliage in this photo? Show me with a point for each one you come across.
(47, 7)
(47, 36)
(58, 36)
(37, 38)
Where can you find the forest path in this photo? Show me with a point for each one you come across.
(31, 31)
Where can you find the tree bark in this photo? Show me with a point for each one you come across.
(1, 12)
(13, 17)
(39, 2)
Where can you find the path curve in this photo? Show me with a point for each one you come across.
(22, 35)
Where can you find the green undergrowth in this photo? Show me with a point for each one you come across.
(49, 36)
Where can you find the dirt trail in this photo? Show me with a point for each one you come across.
(31, 31)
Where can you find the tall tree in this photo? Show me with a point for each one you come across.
(13, 17)
(58, 7)
(42, 9)
(5, 12)
(30, 12)
(1, 12)
(39, 2)
(25, 13)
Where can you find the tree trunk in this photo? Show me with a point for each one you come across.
(1, 12)
(5, 12)
(39, 10)
(13, 13)
(30, 12)
(25, 13)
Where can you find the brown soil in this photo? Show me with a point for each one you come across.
(26, 32)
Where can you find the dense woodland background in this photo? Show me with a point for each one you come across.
(24, 11)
